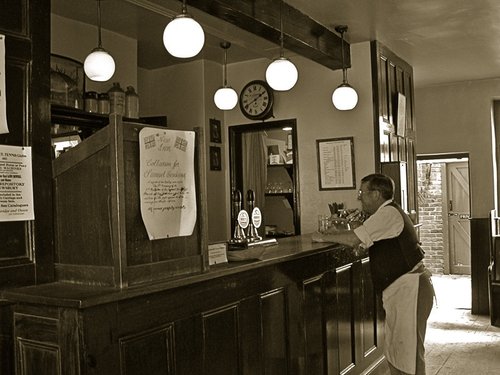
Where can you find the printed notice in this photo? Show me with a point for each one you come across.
(167, 185)
(16, 184)
(3, 101)
(336, 163)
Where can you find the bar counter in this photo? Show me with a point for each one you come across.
(305, 308)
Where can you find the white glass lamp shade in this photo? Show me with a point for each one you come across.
(225, 98)
(344, 97)
(281, 74)
(183, 37)
(99, 65)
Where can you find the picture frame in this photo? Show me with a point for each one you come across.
(67, 81)
(336, 163)
(215, 131)
(215, 158)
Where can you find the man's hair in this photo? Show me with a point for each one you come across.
(380, 182)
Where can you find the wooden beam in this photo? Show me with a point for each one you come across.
(301, 34)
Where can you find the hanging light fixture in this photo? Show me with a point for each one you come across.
(183, 36)
(281, 74)
(99, 65)
(225, 98)
(344, 97)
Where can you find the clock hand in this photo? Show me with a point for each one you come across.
(258, 96)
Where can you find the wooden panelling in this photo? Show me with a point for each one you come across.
(37, 357)
(274, 332)
(6, 341)
(302, 34)
(150, 352)
(393, 76)
(221, 341)
(302, 316)
(313, 324)
(480, 250)
(37, 346)
(368, 311)
(345, 319)
(26, 25)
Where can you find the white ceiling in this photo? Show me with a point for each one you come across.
(444, 40)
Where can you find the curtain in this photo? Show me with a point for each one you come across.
(254, 166)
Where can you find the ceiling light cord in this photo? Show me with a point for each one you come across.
(344, 97)
(282, 39)
(99, 40)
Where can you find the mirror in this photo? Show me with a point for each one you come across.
(263, 158)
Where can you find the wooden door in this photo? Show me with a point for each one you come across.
(26, 26)
(458, 217)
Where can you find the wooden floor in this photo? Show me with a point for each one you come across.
(458, 343)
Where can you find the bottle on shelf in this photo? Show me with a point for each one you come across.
(103, 106)
(117, 99)
(131, 103)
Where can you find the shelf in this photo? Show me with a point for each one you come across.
(279, 193)
(76, 117)
(280, 165)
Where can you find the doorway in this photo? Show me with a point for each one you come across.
(444, 213)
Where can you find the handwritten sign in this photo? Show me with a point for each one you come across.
(167, 185)
(16, 184)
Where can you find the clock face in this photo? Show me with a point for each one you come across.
(256, 100)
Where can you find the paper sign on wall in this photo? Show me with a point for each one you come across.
(16, 184)
(3, 100)
(167, 185)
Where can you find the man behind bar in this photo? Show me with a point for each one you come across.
(397, 271)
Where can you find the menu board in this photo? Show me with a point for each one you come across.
(336, 163)
(16, 184)
(167, 182)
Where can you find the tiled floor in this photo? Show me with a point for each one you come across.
(458, 343)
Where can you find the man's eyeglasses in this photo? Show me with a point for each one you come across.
(361, 192)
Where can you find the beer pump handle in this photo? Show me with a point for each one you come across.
(250, 200)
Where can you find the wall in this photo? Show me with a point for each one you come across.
(64, 33)
(430, 213)
(310, 103)
(184, 93)
(457, 118)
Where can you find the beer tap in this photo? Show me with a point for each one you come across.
(239, 236)
(252, 233)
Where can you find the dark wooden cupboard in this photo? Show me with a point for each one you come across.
(305, 309)
(394, 122)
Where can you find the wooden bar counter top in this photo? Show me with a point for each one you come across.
(304, 308)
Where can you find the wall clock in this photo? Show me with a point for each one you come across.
(256, 100)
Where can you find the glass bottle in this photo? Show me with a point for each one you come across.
(131, 103)
(103, 105)
(116, 99)
(90, 101)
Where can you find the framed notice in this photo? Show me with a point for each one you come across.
(215, 131)
(336, 163)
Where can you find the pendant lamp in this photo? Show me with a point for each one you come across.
(99, 65)
(183, 36)
(281, 74)
(225, 98)
(344, 97)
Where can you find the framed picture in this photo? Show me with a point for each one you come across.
(215, 131)
(215, 158)
(336, 163)
(67, 81)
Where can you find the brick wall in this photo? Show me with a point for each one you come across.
(430, 201)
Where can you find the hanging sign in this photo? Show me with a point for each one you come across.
(167, 184)
(3, 100)
(16, 184)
